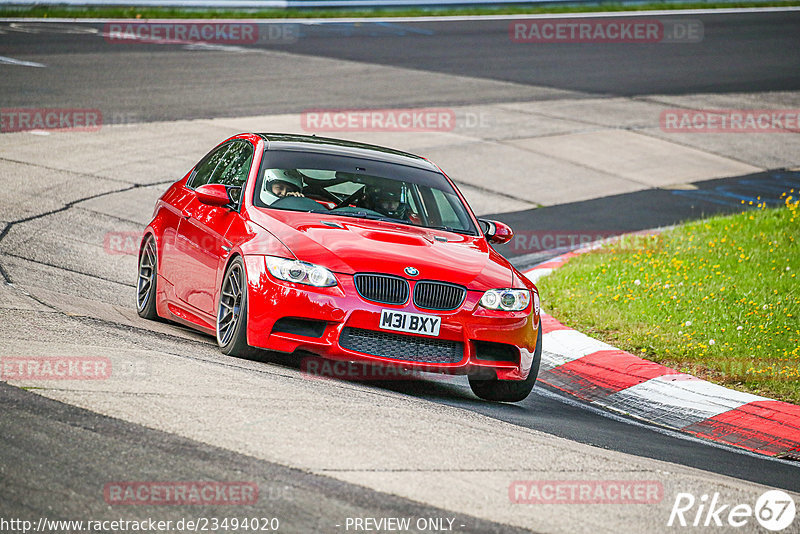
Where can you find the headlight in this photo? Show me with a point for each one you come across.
(506, 299)
(300, 272)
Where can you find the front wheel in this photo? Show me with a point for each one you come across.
(146, 286)
(232, 312)
(509, 390)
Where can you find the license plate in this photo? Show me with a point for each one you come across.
(413, 323)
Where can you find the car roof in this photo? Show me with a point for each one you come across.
(341, 147)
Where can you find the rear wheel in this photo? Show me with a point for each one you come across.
(509, 390)
(148, 280)
(232, 312)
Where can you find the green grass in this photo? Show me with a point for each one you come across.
(717, 298)
(133, 12)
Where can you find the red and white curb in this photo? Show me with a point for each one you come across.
(605, 376)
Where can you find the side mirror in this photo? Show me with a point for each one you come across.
(496, 232)
(213, 195)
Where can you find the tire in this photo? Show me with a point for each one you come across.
(509, 390)
(147, 284)
(231, 324)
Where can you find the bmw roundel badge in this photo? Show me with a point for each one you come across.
(411, 271)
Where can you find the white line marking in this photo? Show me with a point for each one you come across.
(11, 61)
(658, 429)
(564, 346)
(23, 27)
(551, 360)
(212, 47)
(453, 18)
(677, 401)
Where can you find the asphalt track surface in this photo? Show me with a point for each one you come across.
(631, 212)
(151, 82)
(76, 452)
(748, 52)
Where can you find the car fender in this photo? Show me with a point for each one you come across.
(258, 243)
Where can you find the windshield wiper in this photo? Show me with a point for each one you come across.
(374, 217)
(451, 229)
(364, 215)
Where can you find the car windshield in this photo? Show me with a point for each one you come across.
(353, 187)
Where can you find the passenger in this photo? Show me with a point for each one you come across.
(387, 200)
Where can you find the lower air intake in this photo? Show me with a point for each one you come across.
(401, 347)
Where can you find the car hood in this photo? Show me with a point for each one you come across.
(350, 245)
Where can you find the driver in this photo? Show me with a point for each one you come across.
(283, 183)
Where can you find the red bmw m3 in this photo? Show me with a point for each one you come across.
(349, 251)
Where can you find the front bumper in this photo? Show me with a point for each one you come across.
(287, 317)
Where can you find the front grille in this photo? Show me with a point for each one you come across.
(382, 288)
(401, 347)
(438, 295)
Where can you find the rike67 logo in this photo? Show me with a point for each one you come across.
(774, 510)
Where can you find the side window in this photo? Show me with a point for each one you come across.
(411, 200)
(446, 211)
(235, 165)
(206, 168)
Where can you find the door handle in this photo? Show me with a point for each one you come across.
(226, 249)
(186, 215)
